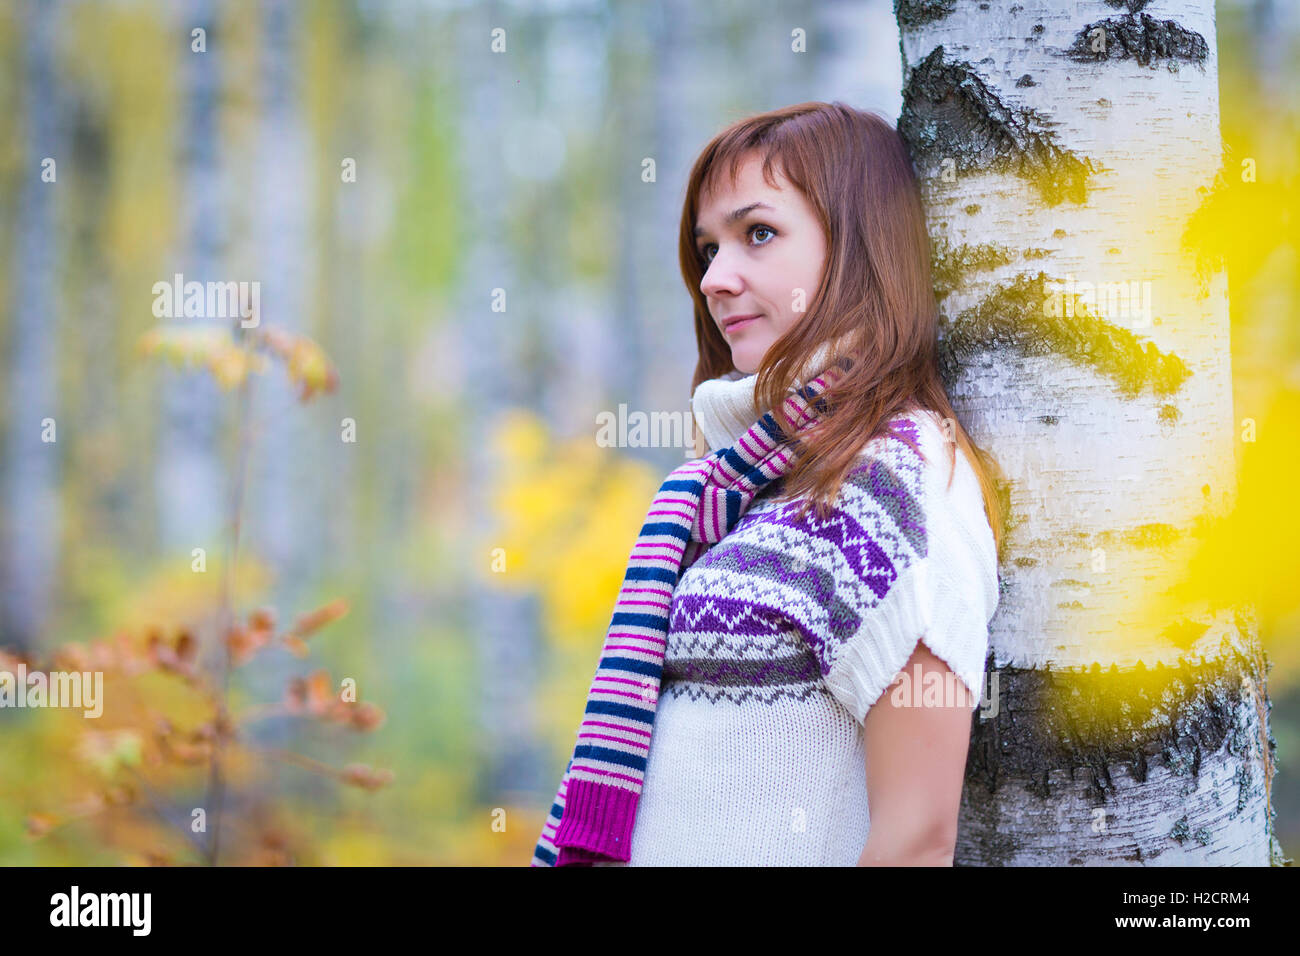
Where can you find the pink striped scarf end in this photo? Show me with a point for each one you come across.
(597, 824)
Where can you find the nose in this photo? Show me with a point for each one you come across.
(721, 277)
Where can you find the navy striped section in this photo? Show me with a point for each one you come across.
(672, 528)
(609, 708)
(545, 855)
(619, 757)
(632, 665)
(651, 574)
(639, 620)
(683, 484)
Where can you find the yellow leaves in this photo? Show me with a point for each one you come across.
(208, 347)
(568, 515)
(521, 439)
(230, 360)
(588, 571)
(308, 366)
(107, 750)
(1246, 556)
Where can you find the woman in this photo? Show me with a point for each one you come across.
(803, 627)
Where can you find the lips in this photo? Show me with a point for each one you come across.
(734, 322)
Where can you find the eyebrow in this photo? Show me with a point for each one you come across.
(737, 214)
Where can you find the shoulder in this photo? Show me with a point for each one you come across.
(918, 469)
(913, 450)
(922, 444)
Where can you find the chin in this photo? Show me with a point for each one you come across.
(746, 360)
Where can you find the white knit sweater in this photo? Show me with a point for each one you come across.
(784, 634)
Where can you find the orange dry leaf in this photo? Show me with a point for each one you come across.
(10, 663)
(305, 361)
(318, 618)
(262, 619)
(364, 716)
(296, 646)
(72, 657)
(174, 658)
(195, 748)
(39, 824)
(312, 694)
(367, 777)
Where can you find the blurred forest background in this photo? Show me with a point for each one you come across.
(460, 265)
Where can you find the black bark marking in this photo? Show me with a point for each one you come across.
(1090, 720)
(915, 13)
(1143, 37)
(1025, 80)
(1133, 6)
(1012, 317)
(949, 112)
(950, 265)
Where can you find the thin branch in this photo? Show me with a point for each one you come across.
(225, 613)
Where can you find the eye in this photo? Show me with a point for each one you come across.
(704, 253)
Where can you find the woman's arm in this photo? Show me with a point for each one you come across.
(916, 762)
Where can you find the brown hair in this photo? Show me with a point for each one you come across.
(875, 302)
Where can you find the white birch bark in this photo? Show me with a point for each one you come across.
(31, 464)
(1044, 155)
(505, 623)
(284, 493)
(189, 483)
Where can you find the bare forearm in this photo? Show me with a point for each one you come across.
(916, 853)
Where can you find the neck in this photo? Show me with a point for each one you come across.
(724, 408)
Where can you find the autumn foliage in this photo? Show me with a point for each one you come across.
(170, 773)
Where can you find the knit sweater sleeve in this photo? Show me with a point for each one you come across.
(915, 561)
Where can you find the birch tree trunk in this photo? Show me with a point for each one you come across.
(1058, 142)
(506, 624)
(189, 483)
(31, 505)
(284, 490)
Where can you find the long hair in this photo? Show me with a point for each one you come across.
(875, 302)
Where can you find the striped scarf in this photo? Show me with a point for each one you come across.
(697, 505)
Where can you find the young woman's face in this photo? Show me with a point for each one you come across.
(765, 263)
